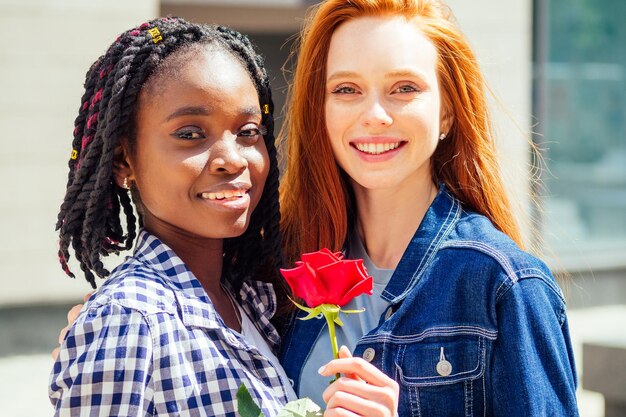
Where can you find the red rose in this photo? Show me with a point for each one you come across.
(324, 277)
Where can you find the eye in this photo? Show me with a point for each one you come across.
(406, 88)
(190, 133)
(344, 89)
(252, 132)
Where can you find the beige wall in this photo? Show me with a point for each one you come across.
(501, 34)
(46, 48)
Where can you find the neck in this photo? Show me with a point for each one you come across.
(388, 218)
(203, 256)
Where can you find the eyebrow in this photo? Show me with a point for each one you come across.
(251, 111)
(393, 74)
(189, 111)
(206, 111)
(405, 73)
(342, 74)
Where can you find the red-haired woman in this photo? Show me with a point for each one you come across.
(390, 157)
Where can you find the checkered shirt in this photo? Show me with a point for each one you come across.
(150, 342)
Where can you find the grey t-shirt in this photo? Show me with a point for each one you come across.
(312, 384)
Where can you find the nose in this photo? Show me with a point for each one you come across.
(225, 156)
(376, 113)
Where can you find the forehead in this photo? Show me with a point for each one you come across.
(204, 69)
(380, 43)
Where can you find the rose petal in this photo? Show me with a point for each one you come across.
(341, 277)
(338, 255)
(305, 284)
(363, 287)
(320, 258)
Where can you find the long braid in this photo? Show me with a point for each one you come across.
(114, 118)
(90, 217)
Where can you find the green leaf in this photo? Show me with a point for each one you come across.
(313, 312)
(304, 407)
(246, 407)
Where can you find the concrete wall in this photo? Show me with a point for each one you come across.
(46, 48)
(501, 35)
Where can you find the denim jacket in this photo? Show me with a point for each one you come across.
(476, 326)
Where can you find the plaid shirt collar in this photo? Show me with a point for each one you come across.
(258, 299)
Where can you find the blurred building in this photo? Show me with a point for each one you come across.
(557, 69)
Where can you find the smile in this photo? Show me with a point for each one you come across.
(377, 148)
(224, 195)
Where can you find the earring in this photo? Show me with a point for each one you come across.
(125, 184)
(442, 136)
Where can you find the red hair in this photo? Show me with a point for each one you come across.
(315, 195)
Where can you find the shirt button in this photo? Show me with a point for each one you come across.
(444, 368)
(388, 313)
(233, 340)
(369, 354)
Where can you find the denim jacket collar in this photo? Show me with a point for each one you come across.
(436, 225)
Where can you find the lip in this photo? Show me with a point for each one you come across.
(382, 157)
(227, 196)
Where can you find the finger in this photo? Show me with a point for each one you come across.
(55, 353)
(86, 297)
(344, 352)
(358, 366)
(72, 315)
(358, 405)
(384, 396)
(339, 412)
(62, 333)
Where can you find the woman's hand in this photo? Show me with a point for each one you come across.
(363, 391)
(72, 314)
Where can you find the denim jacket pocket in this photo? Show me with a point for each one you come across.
(443, 374)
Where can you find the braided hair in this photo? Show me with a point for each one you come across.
(90, 218)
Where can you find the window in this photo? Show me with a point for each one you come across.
(580, 103)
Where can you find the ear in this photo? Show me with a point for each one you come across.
(446, 120)
(122, 165)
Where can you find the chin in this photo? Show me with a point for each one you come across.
(374, 183)
(239, 227)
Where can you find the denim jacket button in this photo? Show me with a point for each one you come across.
(369, 354)
(444, 368)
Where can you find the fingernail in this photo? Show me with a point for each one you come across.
(321, 370)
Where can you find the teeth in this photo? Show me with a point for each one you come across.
(376, 148)
(223, 195)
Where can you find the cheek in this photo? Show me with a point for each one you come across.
(330, 117)
(335, 123)
(258, 163)
(423, 117)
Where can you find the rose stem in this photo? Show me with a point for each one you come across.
(330, 319)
